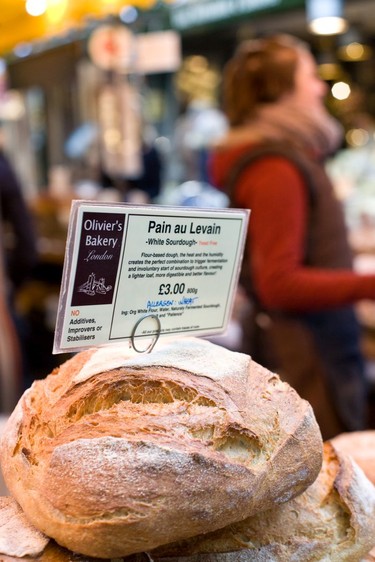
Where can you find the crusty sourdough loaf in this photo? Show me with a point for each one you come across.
(115, 453)
(361, 446)
(332, 521)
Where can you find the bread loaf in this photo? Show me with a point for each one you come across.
(117, 453)
(332, 521)
(361, 446)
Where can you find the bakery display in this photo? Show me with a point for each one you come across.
(333, 520)
(116, 453)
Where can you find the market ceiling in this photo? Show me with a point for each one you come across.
(17, 26)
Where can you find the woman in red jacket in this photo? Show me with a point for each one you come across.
(299, 264)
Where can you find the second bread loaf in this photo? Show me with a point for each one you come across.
(332, 521)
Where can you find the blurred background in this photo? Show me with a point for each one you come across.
(105, 100)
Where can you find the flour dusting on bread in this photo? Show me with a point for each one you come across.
(196, 356)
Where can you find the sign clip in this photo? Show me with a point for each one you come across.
(157, 333)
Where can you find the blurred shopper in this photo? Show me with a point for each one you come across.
(18, 251)
(11, 384)
(201, 121)
(149, 182)
(298, 271)
(196, 129)
(21, 251)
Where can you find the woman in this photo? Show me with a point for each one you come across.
(299, 264)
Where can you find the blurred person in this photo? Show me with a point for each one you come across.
(149, 182)
(21, 248)
(195, 130)
(298, 267)
(11, 384)
(201, 121)
(19, 255)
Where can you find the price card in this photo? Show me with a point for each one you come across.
(135, 271)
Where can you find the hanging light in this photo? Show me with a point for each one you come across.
(325, 17)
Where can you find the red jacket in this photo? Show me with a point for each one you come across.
(275, 192)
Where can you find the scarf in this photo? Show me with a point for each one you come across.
(314, 131)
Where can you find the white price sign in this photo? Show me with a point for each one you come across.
(135, 271)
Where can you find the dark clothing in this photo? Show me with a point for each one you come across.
(19, 246)
(150, 180)
(21, 253)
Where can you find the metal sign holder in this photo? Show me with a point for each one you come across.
(157, 333)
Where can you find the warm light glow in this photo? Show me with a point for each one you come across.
(357, 137)
(330, 71)
(12, 107)
(328, 25)
(36, 7)
(341, 90)
(56, 11)
(354, 52)
(55, 17)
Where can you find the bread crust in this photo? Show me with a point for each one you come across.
(104, 452)
(333, 520)
(22, 542)
(17, 536)
(360, 445)
(370, 557)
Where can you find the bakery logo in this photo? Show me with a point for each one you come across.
(92, 286)
(98, 258)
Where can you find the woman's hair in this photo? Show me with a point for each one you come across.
(260, 72)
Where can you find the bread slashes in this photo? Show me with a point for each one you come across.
(116, 453)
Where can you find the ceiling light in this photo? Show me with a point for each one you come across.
(36, 7)
(325, 17)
